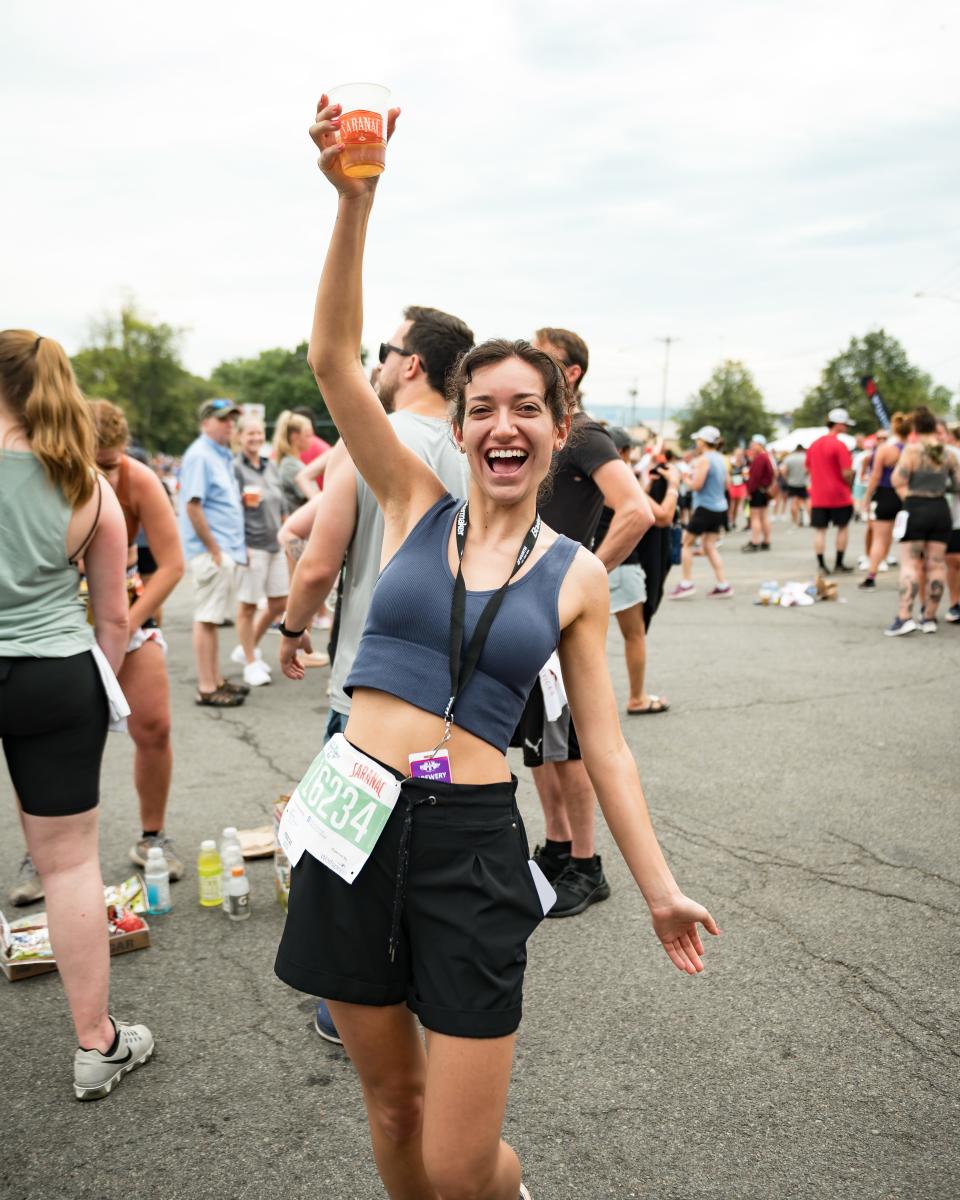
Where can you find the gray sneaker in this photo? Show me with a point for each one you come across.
(28, 889)
(138, 854)
(95, 1074)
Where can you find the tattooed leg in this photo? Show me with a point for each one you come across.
(936, 579)
(909, 584)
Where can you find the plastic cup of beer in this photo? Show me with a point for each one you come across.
(252, 496)
(363, 127)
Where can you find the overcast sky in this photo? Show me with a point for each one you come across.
(758, 180)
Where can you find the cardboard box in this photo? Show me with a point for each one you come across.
(129, 896)
(120, 943)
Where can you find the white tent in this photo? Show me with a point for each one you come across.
(805, 438)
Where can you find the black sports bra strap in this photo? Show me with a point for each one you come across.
(93, 528)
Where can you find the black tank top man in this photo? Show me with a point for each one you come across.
(575, 504)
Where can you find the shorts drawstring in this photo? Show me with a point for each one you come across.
(403, 863)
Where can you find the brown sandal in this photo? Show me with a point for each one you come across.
(219, 698)
(234, 689)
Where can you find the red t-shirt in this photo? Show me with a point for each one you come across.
(827, 459)
(315, 448)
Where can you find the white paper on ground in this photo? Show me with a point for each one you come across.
(116, 700)
(551, 684)
(548, 897)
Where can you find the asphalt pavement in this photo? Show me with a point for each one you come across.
(805, 787)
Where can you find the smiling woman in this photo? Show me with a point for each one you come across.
(429, 879)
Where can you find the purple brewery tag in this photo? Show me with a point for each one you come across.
(431, 766)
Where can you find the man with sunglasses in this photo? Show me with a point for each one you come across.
(344, 523)
(212, 530)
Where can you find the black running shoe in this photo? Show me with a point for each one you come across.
(866, 584)
(842, 569)
(550, 861)
(577, 890)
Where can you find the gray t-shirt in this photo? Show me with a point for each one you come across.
(431, 440)
(261, 524)
(795, 469)
(289, 468)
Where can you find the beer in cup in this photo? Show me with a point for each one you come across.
(363, 127)
(251, 496)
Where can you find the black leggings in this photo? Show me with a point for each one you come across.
(53, 726)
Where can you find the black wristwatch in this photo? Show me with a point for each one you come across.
(290, 633)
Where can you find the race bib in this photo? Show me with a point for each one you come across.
(338, 809)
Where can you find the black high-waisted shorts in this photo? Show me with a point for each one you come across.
(459, 920)
(53, 726)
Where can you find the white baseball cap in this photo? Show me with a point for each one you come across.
(839, 416)
(759, 439)
(709, 434)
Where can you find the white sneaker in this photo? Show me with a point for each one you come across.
(255, 674)
(96, 1075)
(892, 560)
(863, 563)
(237, 656)
(884, 566)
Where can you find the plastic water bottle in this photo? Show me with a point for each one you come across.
(156, 876)
(209, 872)
(231, 855)
(236, 903)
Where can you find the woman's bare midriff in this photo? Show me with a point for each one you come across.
(390, 730)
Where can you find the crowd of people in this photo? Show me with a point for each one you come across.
(471, 531)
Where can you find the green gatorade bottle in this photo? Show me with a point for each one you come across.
(209, 870)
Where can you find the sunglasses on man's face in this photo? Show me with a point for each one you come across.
(385, 349)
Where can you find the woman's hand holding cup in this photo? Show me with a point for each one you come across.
(325, 133)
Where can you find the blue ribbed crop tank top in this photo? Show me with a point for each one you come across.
(404, 648)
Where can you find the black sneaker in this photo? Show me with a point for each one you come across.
(764, 545)
(866, 584)
(550, 861)
(750, 548)
(577, 889)
(842, 569)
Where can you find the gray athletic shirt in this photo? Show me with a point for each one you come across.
(430, 439)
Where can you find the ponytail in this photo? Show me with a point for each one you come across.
(40, 388)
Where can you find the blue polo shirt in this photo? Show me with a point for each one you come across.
(207, 475)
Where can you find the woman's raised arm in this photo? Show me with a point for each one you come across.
(400, 480)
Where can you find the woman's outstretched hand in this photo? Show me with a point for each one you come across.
(324, 132)
(675, 924)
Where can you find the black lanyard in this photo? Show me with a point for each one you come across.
(461, 672)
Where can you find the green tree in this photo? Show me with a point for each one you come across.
(902, 386)
(136, 364)
(731, 401)
(278, 379)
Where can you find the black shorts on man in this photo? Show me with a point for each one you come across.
(544, 741)
(820, 518)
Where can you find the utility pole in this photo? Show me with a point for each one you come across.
(632, 392)
(667, 342)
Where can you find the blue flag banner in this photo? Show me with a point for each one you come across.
(869, 385)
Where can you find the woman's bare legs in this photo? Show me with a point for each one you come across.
(65, 852)
(880, 543)
(466, 1095)
(709, 543)
(634, 633)
(953, 578)
(936, 577)
(435, 1117)
(911, 569)
(246, 615)
(385, 1047)
(143, 678)
(276, 605)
